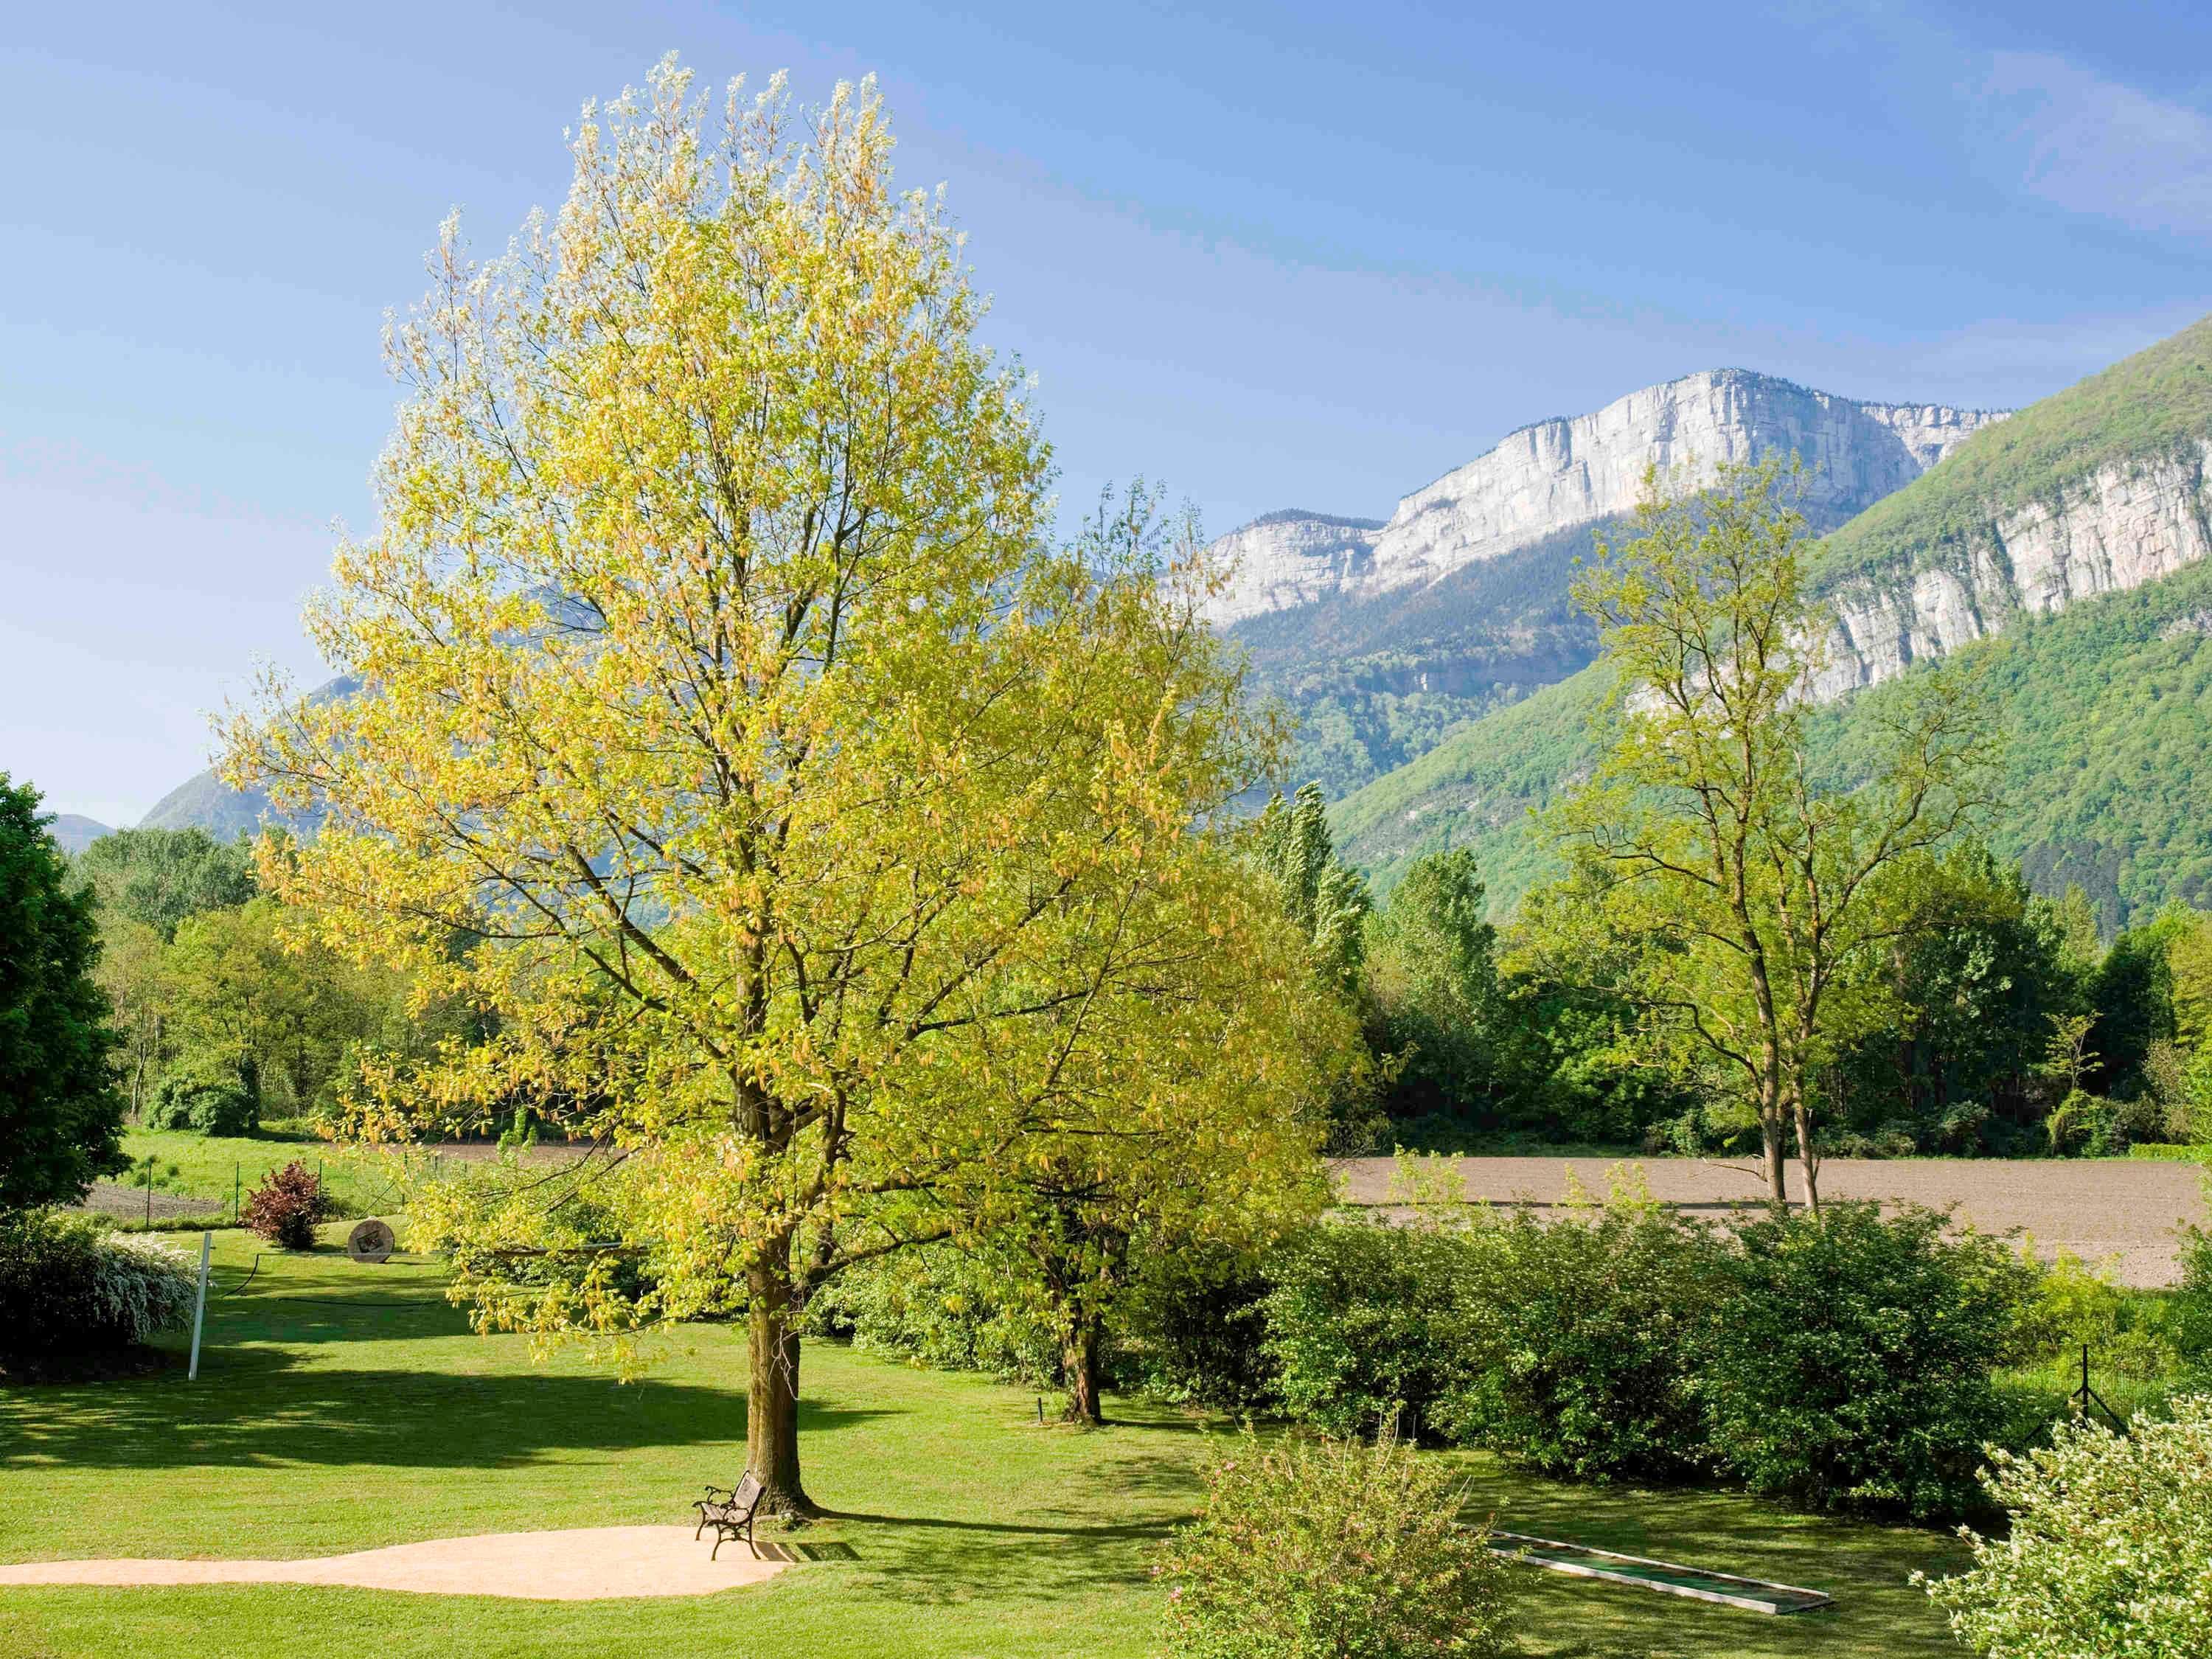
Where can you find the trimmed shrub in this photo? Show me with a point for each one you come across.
(2191, 1328)
(285, 1207)
(1365, 1322)
(203, 1105)
(1848, 1359)
(68, 1284)
(1316, 1549)
(2109, 1548)
(1578, 1339)
(1193, 1328)
(940, 1306)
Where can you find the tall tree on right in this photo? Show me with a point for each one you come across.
(1755, 895)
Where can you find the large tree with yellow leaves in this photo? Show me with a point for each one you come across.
(836, 856)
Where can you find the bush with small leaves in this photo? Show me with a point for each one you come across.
(1194, 1329)
(2109, 1552)
(1318, 1549)
(285, 1207)
(1847, 1359)
(1366, 1323)
(67, 1284)
(204, 1104)
(940, 1307)
(1579, 1336)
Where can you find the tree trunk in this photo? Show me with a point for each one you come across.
(1079, 1356)
(1807, 1159)
(772, 1391)
(1778, 1169)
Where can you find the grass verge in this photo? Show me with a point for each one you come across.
(343, 1407)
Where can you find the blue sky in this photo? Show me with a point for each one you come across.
(1278, 256)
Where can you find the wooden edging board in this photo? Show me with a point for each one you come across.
(1523, 1548)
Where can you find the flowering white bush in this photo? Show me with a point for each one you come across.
(2110, 1553)
(67, 1282)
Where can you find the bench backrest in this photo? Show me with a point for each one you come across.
(748, 1493)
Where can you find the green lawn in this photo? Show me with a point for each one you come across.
(214, 1167)
(341, 1408)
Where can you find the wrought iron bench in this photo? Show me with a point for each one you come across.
(730, 1514)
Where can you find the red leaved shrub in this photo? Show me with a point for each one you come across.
(285, 1207)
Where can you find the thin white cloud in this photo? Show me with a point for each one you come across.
(2099, 147)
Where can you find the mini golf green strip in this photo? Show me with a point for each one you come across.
(1668, 1577)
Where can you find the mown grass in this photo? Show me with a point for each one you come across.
(216, 1167)
(343, 1407)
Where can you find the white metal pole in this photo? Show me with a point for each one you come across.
(199, 1309)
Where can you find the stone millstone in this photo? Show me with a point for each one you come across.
(371, 1241)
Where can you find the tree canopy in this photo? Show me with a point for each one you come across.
(1755, 893)
(839, 850)
(160, 877)
(61, 1117)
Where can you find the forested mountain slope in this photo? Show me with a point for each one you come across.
(2099, 493)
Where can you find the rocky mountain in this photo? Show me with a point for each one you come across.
(2100, 491)
(1384, 637)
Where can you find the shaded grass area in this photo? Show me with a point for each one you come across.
(343, 1408)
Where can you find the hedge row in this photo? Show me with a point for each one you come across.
(1846, 1361)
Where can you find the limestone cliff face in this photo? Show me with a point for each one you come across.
(2125, 525)
(1291, 558)
(1560, 473)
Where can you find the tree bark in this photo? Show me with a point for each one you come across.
(772, 1392)
(1807, 1159)
(1777, 1170)
(1079, 1360)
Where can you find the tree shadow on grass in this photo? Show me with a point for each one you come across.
(933, 1561)
(1098, 1527)
(264, 1410)
(1867, 1566)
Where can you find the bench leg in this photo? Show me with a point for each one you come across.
(717, 1550)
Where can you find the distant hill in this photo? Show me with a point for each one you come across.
(1386, 636)
(204, 801)
(73, 832)
(2100, 492)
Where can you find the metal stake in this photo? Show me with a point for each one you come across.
(199, 1309)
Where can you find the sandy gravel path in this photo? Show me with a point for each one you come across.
(587, 1564)
(2099, 1209)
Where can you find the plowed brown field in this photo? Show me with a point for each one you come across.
(2127, 1213)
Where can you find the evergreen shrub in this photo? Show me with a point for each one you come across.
(1847, 1360)
(1577, 1341)
(1193, 1328)
(1365, 1324)
(940, 1306)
